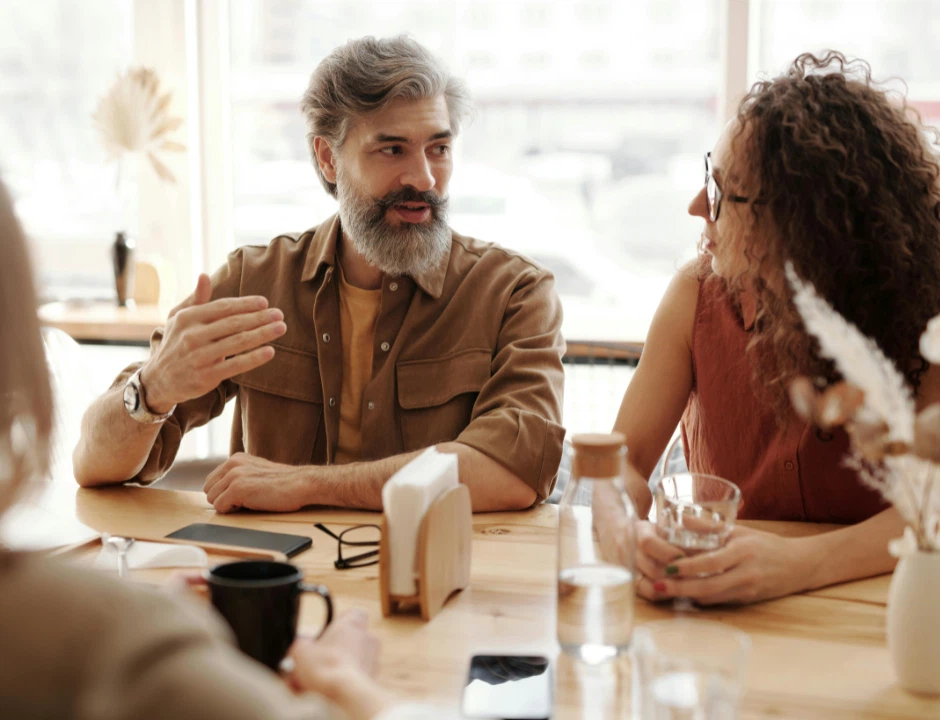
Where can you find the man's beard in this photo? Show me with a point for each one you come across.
(406, 249)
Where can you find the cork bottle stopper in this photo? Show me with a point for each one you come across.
(598, 455)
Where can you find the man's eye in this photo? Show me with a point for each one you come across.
(442, 149)
(393, 150)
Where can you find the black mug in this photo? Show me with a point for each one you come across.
(260, 599)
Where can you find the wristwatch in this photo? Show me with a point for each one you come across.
(135, 404)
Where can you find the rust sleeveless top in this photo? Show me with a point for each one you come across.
(785, 473)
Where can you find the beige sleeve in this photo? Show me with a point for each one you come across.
(162, 658)
(77, 644)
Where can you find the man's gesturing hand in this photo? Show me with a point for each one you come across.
(207, 342)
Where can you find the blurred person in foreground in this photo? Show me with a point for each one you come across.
(354, 346)
(76, 644)
(823, 169)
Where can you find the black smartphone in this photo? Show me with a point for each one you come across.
(508, 687)
(290, 545)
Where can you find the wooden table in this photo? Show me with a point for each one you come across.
(817, 655)
(104, 322)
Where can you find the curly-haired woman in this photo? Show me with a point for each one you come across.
(825, 170)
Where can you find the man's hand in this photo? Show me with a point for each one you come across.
(205, 343)
(752, 566)
(253, 483)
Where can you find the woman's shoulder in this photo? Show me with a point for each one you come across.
(678, 305)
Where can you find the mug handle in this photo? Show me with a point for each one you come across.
(323, 592)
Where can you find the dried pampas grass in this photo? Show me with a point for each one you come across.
(887, 396)
(134, 118)
(895, 450)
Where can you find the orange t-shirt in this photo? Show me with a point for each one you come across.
(358, 312)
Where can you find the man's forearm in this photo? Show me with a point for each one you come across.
(854, 552)
(359, 485)
(356, 485)
(113, 447)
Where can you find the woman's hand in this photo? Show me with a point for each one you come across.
(752, 566)
(340, 665)
(654, 559)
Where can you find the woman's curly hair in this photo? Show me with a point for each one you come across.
(849, 183)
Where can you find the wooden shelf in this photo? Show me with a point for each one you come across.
(103, 322)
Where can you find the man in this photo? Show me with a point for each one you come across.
(363, 341)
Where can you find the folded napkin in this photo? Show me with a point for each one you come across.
(152, 555)
(405, 498)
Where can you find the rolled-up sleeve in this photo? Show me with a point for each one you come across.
(198, 411)
(516, 419)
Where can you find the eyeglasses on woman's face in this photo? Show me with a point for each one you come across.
(714, 194)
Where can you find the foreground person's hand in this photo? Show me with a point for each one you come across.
(206, 342)
(253, 483)
(339, 666)
(752, 566)
(187, 583)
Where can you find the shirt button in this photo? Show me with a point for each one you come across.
(385, 346)
(326, 337)
(393, 286)
(788, 465)
(371, 405)
(332, 402)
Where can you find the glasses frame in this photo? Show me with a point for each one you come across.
(355, 561)
(714, 194)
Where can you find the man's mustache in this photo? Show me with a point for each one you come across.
(410, 195)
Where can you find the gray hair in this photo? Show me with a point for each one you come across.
(363, 76)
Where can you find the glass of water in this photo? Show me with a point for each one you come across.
(596, 552)
(695, 512)
(689, 670)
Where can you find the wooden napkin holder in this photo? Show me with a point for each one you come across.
(442, 552)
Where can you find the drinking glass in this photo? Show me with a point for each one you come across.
(689, 670)
(695, 513)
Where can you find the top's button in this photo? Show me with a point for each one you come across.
(788, 465)
(326, 337)
(393, 286)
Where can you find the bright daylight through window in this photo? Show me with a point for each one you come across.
(591, 119)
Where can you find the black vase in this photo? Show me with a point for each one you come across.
(122, 256)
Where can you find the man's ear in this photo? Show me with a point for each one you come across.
(325, 158)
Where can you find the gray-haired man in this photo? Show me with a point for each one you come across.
(355, 345)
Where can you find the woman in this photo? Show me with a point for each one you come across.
(822, 169)
(74, 644)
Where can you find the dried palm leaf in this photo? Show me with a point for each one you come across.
(134, 118)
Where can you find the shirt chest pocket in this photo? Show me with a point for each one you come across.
(282, 407)
(436, 396)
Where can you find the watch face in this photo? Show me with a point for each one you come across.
(131, 398)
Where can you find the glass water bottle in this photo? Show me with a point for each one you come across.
(596, 551)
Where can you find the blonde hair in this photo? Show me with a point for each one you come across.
(25, 392)
(363, 76)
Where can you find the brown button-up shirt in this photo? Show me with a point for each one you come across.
(468, 352)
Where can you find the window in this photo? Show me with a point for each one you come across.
(583, 154)
(898, 39)
(57, 58)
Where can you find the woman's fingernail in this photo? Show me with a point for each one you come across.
(659, 587)
(677, 558)
(672, 570)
